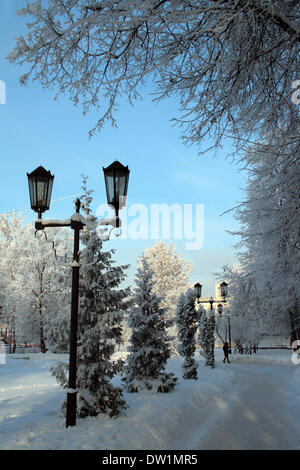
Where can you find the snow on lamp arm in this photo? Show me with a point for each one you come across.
(40, 189)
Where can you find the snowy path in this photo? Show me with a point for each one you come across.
(252, 403)
(264, 413)
(26, 398)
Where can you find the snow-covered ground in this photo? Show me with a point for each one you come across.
(252, 403)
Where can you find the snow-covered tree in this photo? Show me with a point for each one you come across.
(101, 307)
(270, 237)
(207, 337)
(150, 345)
(10, 228)
(42, 285)
(10, 224)
(57, 329)
(171, 278)
(231, 63)
(245, 310)
(187, 322)
(57, 324)
(35, 283)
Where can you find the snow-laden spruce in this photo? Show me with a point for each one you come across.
(150, 344)
(207, 336)
(187, 322)
(101, 307)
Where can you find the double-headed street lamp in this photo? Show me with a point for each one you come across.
(211, 301)
(40, 188)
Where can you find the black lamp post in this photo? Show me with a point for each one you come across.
(229, 330)
(40, 189)
(211, 301)
(220, 311)
(224, 293)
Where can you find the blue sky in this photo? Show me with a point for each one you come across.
(36, 130)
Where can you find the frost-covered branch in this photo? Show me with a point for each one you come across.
(230, 63)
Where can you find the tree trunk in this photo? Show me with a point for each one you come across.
(295, 326)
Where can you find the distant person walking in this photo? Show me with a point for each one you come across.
(226, 350)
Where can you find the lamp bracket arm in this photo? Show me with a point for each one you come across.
(40, 224)
(92, 222)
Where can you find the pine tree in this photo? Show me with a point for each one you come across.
(187, 322)
(207, 337)
(150, 345)
(101, 307)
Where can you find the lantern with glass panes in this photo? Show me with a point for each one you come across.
(198, 289)
(40, 189)
(116, 178)
(224, 289)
